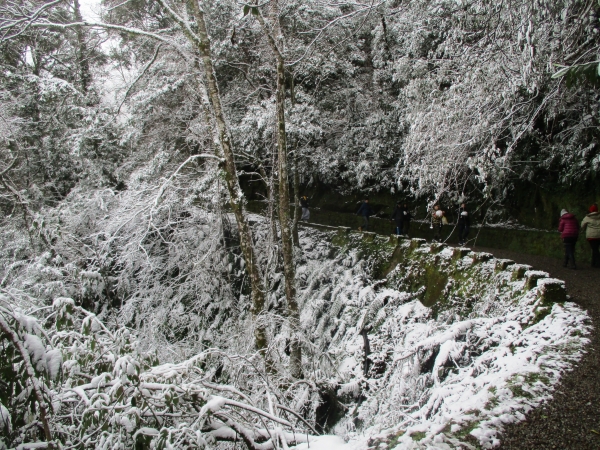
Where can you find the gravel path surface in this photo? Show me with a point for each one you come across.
(571, 420)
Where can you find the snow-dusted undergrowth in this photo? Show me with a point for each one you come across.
(459, 343)
(489, 348)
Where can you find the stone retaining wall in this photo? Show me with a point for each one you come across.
(439, 272)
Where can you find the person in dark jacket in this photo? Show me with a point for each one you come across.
(406, 220)
(398, 217)
(569, 232)
(365, 211)
(464, 224)
(305, 211)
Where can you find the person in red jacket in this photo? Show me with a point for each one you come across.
(569, 232)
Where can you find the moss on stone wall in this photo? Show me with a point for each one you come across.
(441, 276)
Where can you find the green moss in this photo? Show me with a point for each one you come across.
(503, 264)
(516, 383)
(435, 282)
(553, 292)
(492, 403)
(519, 271)
(466, 430)
(376, 249)
(391, 440)
(534, 377)
(397, 258)
(418, 435)
(341, 239)
(540, 313)
(394, 440)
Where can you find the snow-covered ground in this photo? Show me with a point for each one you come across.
(448, 376)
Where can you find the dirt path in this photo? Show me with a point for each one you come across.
(572, 419)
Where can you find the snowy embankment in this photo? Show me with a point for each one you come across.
(490, 345)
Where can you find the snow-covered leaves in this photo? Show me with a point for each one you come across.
(109, 393)
(485, 351)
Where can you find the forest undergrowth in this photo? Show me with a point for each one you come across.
(134, 328)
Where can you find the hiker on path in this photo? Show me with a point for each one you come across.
(406, 220)
(464, 224)
(591, 225)
(398, 217)
(437, 221)
(365, 211)
(569, 232)
(305, 211)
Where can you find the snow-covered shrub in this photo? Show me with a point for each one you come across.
(143, 256)
(68, 379)
(379, 364)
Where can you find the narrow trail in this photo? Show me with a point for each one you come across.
(571, 420)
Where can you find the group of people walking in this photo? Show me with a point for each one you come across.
(463, 223)
(401, 217)
(569, 227)
(569, 232)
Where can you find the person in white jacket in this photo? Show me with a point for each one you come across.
(591, 226)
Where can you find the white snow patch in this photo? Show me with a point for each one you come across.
(325, 442)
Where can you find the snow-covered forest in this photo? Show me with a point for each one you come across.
(141, 303)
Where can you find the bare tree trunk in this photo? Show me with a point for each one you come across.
(271, 208)
(296, 180)
(236, 196)
(296, 201)
(289, 269)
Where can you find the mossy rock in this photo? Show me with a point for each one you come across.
(416, 243)
(368, 236)
(482, 257)
(435, 283)
(341, 239)
(394, 239)
(532, 277)
(460, 252)
(344, 230)
(518, 271)
(503, 264)
(437, 247)
(552, 290)
(397, 240)
(398, 257)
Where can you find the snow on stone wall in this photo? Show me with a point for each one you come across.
(490, 345)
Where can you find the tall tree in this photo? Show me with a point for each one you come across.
(275, 39)
(200, 39)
